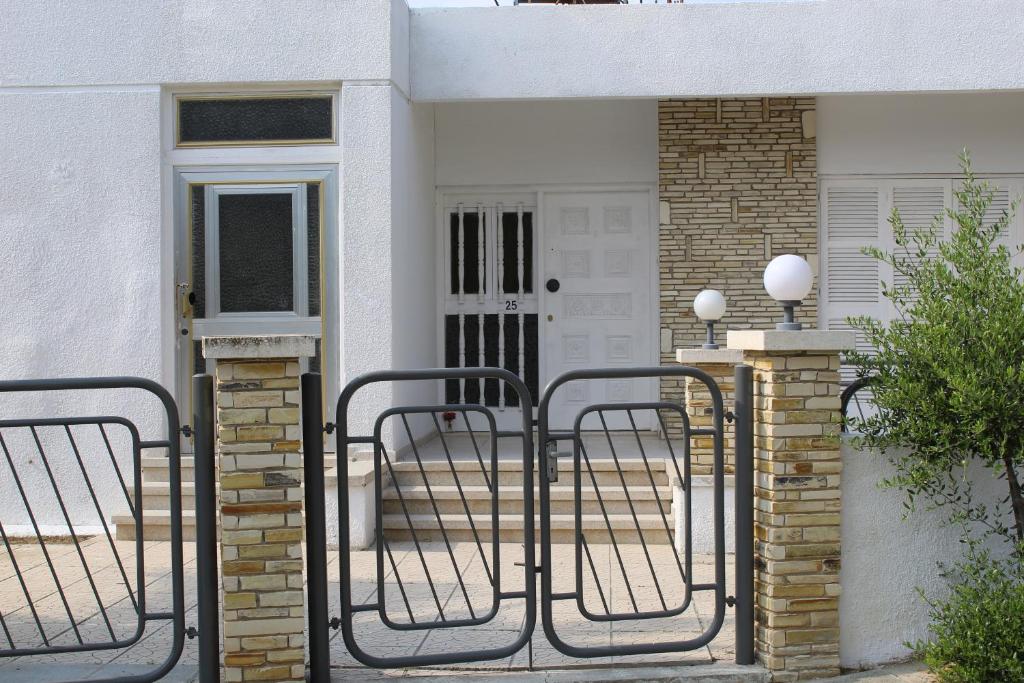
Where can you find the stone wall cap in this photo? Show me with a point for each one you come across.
(260, 346)
(791, 340)
(721, 356)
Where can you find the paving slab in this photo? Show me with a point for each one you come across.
(624, 575)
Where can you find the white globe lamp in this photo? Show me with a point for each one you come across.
(709, 305)
(788, 279)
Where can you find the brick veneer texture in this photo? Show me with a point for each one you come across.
(798, 466)
(699, 409)
(261, 517)
(737, 186)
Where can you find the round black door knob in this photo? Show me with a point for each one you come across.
(553, 285)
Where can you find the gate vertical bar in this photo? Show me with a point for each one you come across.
(744, 514)
(207, 572)
(316, 520)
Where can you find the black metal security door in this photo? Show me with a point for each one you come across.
(664, 601)
(673, 590)
(403, 614)
(88, 468)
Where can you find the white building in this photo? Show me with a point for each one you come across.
(206, 167)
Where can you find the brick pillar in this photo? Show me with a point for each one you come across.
(721, 365)
(258, 442)
(797, 504)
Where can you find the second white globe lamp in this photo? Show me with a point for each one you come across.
(709, 306)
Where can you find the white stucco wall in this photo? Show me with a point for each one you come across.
(885, 558)
(366, 264)
(62, 42)
(533, 143)
(889, 134)
(80, 228)
(413, 287)
(709, 50)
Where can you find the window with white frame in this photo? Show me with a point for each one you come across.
(855, 214)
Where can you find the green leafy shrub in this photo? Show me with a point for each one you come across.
(948, 371)
(947, 378)
(978, 630)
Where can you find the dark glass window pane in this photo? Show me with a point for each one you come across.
(256, 253)
(510, 252)
(316, 362)
(451, 356)
(198, 361)
(471, 332)
(472, 233)
(198, 209)
(313, 246)
(256, 119)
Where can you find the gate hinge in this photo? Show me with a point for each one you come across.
(536, 570)
(329, 428)
(191, 632)
(186, 431)
(334, 623)
(730, 600)
(730, 417)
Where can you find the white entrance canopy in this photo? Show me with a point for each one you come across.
(716, 49)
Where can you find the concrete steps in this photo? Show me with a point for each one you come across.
(608, 498)
(595, 528)
(623, 503)
(448, 500)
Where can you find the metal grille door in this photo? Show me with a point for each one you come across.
(441, 586)
(651, 589)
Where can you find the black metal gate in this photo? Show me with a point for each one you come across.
(65, 463)
(484, 470)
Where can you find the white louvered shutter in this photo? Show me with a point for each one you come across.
(1002, 191)
(1000, 204)
(852, 218)
(918, 202)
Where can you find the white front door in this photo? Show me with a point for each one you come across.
(598, 302)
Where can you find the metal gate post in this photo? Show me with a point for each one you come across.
(207, 571)
(744, 514)
(316, 531)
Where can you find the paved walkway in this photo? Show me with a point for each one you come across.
(619, 596)
(456, 594)
(911, 672)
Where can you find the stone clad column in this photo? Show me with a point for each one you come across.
(258, 442)
(797, 503)
(721, 365)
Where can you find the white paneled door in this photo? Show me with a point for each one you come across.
(598, 300)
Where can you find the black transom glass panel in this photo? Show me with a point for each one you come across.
(235, 120)
(256, 265)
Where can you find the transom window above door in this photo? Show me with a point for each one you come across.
(490, 298)
(259, 119)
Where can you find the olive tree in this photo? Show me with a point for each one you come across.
(948, 371)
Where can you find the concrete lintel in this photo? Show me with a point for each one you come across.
(721, 356)
(831, 341)
(260, 346)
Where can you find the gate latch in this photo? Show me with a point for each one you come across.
(552, 463)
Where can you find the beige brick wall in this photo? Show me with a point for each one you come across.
(738, 186)
(797, 515)
(261, 517)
